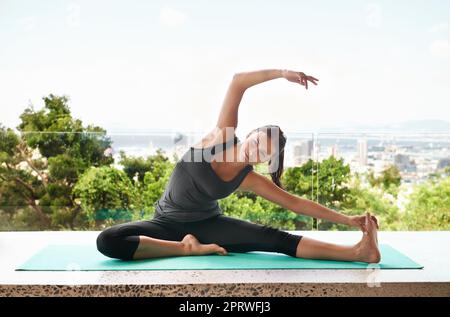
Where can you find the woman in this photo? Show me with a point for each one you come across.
(188, 219)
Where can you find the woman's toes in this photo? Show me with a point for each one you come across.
(194, 247)
(218, 249)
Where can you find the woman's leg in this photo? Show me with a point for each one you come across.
(236, 235)
(149, 239)
(365, 250)
(122, 241)
(189, 245)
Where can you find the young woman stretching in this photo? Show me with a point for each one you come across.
(188, 219)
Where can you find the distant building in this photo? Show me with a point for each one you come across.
(443, 163)
(333, 150)
(404, 164)
(302, 151)
(362, 152)
(377, 148)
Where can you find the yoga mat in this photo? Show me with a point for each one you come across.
(87, 258)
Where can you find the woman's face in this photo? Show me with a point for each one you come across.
(257, 148)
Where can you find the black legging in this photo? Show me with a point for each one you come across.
(235, 235)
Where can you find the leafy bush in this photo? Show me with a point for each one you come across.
(105, 193)
(429, 206)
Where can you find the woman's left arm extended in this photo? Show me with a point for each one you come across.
(265, 188)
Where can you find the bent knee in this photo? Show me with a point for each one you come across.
(105, 242)
(112, 245)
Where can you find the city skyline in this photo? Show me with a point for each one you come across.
(416, 157)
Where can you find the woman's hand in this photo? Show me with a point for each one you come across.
(299, 77)
(360, 221)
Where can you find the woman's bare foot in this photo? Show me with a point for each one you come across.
(367, 249)
(194, 247)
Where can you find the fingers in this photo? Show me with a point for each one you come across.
(312, 79)
(371, 221)
(372, 218)
(366, 223)
(367, 219)
(363, 224)
(376, 221)
(303, 80)
(363, 228)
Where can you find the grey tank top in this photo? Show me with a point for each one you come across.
(194, 187)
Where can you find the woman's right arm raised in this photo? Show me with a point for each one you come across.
(248, 79)
(228, 116)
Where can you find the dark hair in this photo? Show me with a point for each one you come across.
(280, 154)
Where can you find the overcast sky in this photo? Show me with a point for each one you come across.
(167, 64)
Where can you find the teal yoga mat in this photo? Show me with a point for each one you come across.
(87, 258)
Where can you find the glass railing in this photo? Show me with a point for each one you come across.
(402, 178)
(86, 180)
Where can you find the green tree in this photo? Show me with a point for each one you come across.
(150, 176)
(324, 182)
(429, 206)
(363, 199)
(42, 164)
(154, 184)
(106, 196)
(390, 179)
(138, 166)
(16, 186)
